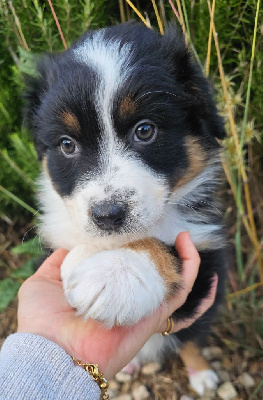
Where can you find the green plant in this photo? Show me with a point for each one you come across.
(10, 285)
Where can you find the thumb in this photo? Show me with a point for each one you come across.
(51, 266)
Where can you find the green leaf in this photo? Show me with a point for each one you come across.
(31, 247)
(25, 271)
(8, 291)
(27, 64)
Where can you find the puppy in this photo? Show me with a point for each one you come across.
(126, 128)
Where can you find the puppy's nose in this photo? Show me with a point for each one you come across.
(108, 215)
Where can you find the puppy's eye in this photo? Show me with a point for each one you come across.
(145, 131)
(68, 147)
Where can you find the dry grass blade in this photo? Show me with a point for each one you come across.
(252, 261)
(122, 11)
(174, 10)
(158, 17)
(138, 13)
(181, 17)
(18, 25)
(58, 24)
(243, 291)
(17, 200)
(210, 39)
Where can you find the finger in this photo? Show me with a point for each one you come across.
(51, 266)
(204, 306)
(190, 259)
(190, 266)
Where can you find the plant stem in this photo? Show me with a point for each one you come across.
(250, 77)
(58, 24)
(210, 39)
(17, 200)
(138, 13)
(17, 22)
(158, 17)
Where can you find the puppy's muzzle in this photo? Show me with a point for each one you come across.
(109, 215)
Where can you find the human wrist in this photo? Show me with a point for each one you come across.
(44, 333)
(29, 355)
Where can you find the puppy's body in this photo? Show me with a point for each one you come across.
(126, 127)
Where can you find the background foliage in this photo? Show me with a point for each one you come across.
(27, 28)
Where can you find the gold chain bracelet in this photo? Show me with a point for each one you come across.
(98, 377)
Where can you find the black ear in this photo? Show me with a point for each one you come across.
(36, 87)
(189, 76)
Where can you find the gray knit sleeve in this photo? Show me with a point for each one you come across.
(32, 367)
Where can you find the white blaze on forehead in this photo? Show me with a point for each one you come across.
(111, 61)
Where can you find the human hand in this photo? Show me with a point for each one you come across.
(43, 311)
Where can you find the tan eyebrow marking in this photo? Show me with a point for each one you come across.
(127, 106)
(71, 121)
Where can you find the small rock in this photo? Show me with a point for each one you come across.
(126, 387)
(246, 380)
(216, 365)
(123, 377)
(209, 395)
(123, 397)
(112, 393)
(254, 367)
(212, 353)
(184, 397)
(135, 384)
(223, 376)
(227, 363)
(113, 385)
(150, 369)
(227, 391)
(140, 393)
(113, 389)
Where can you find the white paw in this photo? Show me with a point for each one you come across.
(116, 287)
(202, 380)
(73, 259)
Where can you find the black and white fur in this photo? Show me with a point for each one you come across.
(104, 186)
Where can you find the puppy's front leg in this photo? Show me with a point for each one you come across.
(201, 376)
(121, 286)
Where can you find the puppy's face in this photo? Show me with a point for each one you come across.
(121, 120)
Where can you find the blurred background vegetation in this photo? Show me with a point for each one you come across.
(226, 37)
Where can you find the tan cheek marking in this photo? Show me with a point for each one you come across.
(192, 357)
(44, 165)
(45, 168)
(127, 106)
(197, 158)
(71, 121)
(165, 263)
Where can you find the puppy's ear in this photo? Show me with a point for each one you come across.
(191, 80)
(36, 87)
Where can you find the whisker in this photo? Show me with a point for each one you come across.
(157, 91)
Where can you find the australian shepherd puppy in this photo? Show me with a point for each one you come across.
(126, 128)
